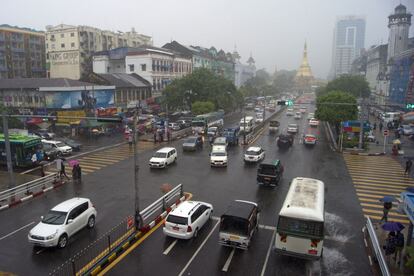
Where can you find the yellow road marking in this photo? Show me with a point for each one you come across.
(375, 196)
(389, 219)
(376, 170)
(380, 193)
(91, 166)
(380, 212)
(101, 161)
(375, 164)
(378, 188)
(390, 185)
(87, 170)
(109, 155)
(377, 177)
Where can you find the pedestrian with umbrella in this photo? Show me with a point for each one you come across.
(397, 238)
(408, 165)
(387, 200)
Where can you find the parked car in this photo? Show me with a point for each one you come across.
(218, 156)
(193, 143)
(254, 154)
(62, 222)
(50, 153)
(269, 173)
(313, 122)
(309, 139)
(71, 143)
(185, 221)
(45, 134)
(285, 140)
(163, 157)
(174, 126)
(407, 130)
(184, 123)
(239, 223)
(292, 128)
(60, 146)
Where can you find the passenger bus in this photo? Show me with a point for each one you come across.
(22, 148)
(300, 227)
(201, 123)
(246, 124)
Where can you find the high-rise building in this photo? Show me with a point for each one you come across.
(22, 53)
(349, 40)
(70, 48)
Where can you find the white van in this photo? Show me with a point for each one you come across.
(246, 124)
(218, 156)
(390, 117)
(62, 148)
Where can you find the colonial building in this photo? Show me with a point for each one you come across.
(376, 69)
(22, 53)
(70, 48)
(304, 77)
(243, 72)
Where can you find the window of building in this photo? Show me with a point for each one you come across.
(62, 35)
(143, 67)
(72, 45)
(118, 98)
(62, 45)
(131, 67)
(52, 37)
(72, 34)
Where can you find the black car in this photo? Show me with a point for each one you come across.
(285, 140)
(269, 173)
(50, 153)
(193, 143)
(71, 143)
(184, 123)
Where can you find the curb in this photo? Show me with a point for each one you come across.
(122, 247)
(31, 196)
(364, 153)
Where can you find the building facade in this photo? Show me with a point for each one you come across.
(69, 49)
(376, 70)
(349, 40)
(243, 72)
(401, 77)
(22, 53)
(399, 25)
(158, 66)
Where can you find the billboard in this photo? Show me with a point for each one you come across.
(80, 99)
(73, 114)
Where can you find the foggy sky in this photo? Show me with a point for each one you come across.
(274, 31)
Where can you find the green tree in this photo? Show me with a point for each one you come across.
(202, 85)
(284, 81)
(202, 107)
(354, 85)
(332, 107)
(12, 121)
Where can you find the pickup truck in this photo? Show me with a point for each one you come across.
(232, 135)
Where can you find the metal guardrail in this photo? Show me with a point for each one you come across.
(86, 259)
(25, 190)
(369, 228)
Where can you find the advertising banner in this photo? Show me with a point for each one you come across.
(71, 113)
(80, 99)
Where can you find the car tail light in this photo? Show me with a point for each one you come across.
(283, 237)
(189, 229)
(314, 243)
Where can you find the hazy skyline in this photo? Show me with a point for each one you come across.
(273, 31)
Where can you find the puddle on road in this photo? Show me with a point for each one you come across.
(337, 229)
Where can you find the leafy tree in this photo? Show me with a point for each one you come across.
(284, 81)
(202, 85)
(12, 121)
(333, 113)
(354, 85)
(202, 107)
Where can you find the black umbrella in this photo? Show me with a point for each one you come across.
(409, 157)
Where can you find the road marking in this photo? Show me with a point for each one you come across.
(15, 231)
(227, 264)
(267, 227)
(268, 254)
(170, 247)
(40, 251)
(198, 249)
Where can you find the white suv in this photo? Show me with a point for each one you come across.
(185, 221)
(218, 156)
(254, 154)
(163, 157)
(62, 222)
(60, 146)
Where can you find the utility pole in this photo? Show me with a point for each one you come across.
(138, 218)
(12, 182)
(361, 122)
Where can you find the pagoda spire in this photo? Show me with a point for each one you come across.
(305, 69)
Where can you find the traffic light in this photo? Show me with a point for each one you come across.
(281, 102)
(410, 106)
(288, 102)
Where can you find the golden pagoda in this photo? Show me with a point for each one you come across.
(304, 77)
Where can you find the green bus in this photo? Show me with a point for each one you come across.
(22, 148)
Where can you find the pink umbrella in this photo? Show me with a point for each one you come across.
(73, 162)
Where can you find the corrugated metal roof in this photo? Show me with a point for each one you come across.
(33, 83)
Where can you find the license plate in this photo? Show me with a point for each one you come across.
(176, 228)
(313, 252)
(232, 237)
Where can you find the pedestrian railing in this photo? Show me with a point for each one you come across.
(376, 247)
(99, 250)
(27, 190)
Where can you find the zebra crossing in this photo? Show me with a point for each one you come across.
(375, 177)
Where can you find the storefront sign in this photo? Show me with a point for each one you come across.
(64, 58)
(74, 115)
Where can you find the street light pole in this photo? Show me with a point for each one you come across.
(138, 218)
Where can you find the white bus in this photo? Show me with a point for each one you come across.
(300, 227)
(246, 124)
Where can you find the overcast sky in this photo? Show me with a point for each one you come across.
(274, 31)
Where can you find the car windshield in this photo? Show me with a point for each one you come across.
(212, 129)
(47, 147)
(292, 126)
(218, 154)
(198, 124)
(60, 144)
(191, 140)
(160, 154)
(267, 169)
(252, 152)
(234, 225)
(54, 218)
(177, 219)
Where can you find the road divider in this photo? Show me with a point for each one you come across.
(109, 247)
(14, 196)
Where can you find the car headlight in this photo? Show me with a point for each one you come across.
(51, 236)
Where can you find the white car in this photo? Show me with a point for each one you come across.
(218, 156)
(62, 221)
(259, 118)
(61, 147)
(313, 122)
(163, 157)
(185, 221)
(292, 128)
(407, 130)
(298, 115)
(254, 154)
(311, 116)
(309, 139)
(289, 112)
(174, 126)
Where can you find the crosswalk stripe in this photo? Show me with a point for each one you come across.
(87, 170)
(376, 164)
(388, 185)
(377, 170)
(364, 187)
(380, 212)
(404, 221)
(381, 194)
(99, 160)
(376, 177)
(358, 180)
(83, 165)
(107, 157)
